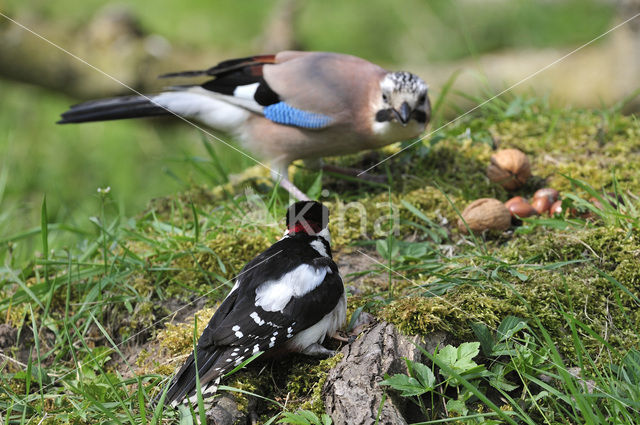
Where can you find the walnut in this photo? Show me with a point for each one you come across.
(509, 168)
(485, 214)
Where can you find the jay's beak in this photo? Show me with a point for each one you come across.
(403, 114)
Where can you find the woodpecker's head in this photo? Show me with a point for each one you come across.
(308, 217)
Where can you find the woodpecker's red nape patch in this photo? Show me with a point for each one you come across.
(305, 227)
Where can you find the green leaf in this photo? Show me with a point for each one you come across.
(407, 385)
(447, 355)
(326, 419)
(309, 416)
(510, 326)
(185, 415)
(459, 359)
(485, 337)
(301, 417)
(424, 375)
(457, 406)
(386, 252)
(467, 351)
(499, 382)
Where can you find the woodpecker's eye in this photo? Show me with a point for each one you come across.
(422, 98)
(385, 98)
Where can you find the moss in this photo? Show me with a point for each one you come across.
(452, 312)
(178, 338)
(305, 384)
(142, 317)
(224, 255)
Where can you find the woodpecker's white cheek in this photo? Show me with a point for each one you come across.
(319, 246)
(324, 233)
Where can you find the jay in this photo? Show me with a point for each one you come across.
(288, 106)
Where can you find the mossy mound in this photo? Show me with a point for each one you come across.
(589, 274)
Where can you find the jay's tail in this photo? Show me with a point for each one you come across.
(113, 109)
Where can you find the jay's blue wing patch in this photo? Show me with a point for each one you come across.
(283, 113)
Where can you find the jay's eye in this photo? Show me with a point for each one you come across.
(385, 98)
(422, 98)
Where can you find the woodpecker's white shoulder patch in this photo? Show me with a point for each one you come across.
(274, 295)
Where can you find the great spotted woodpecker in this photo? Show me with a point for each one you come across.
(287, 299)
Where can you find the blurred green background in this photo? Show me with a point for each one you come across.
(140, 160)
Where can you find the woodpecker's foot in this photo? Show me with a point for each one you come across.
(317, 350)
(339, 337)
(364, 320)
(354, 172)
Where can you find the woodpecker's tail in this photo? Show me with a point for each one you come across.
(115, 108)
(183, 385)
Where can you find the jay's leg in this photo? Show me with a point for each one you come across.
(317, 164)
(280, 174)
(353, 172)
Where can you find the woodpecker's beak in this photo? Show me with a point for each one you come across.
(403, 114)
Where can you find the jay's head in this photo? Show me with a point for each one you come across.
(308, 217)
(403, 101)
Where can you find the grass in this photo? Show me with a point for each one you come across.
(89, 318)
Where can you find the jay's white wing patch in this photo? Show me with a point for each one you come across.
(274, 295)
(247, 91)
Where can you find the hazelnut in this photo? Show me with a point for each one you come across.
(548, 192)
(596, 203)
(541, 204)
(485, 214)
(556, 209)
(590, 215)
(510, 168)
(521, 209)
(514, 200)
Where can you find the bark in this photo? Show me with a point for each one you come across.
(226, 411)
(352, 393)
